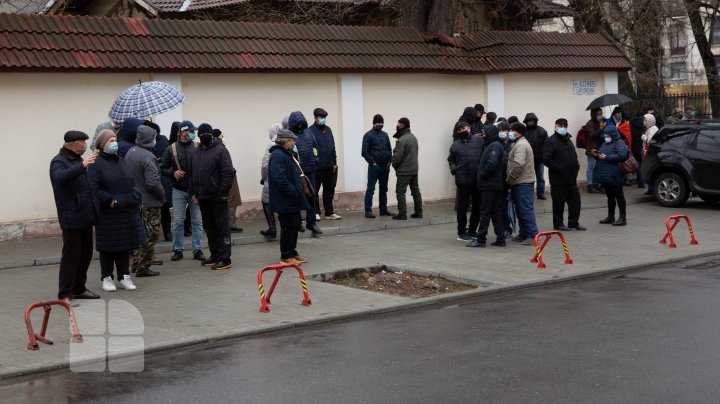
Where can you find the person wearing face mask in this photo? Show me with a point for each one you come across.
(593, 131)
(112, 125)
(607, 172)
(127, 134)
(77, 211)
(690, 114)
(536, 136)
(145, 170)
(271, 232)
(307, 150)
(376, 150)
(520, 178)
(120, 228)
(464, 158)
(508, 212)
(650, 130)
(327, 168)
(209, 188)
(490, 119)
(177, 164)
(616, 118)
(287, 197)
(560, 157)
(405, 163)
(490, 183)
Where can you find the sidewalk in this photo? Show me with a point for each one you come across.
(189, 304)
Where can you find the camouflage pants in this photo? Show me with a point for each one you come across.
(151, 220)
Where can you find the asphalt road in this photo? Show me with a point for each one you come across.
(650, 336)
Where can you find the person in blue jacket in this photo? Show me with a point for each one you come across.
(607, 172)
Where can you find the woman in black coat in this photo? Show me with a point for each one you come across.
(119, 229)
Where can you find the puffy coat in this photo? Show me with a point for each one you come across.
(184, 155)
(464, 159)
(650, 132)
(266, 162)
(607, 171)
(491, 170)
(521, 163)
(327, 155)
(536, 136)
(469, 116)
(145, 170)
(376, 147)
(75, 200)
(305, 142)
(212, 172)
(286, 192)
(120, 227)
(127, 134)
(560, 157)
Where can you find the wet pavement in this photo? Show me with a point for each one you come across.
(649, 336)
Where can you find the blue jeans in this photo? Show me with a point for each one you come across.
(590, 169)
(509, 212)
(377, 173)
(540, 178)
(524, 201)
(181, 200)
(638, 174)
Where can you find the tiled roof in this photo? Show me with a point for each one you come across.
(76, 43)
(171, 6)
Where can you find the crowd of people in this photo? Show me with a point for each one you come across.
(139, 185)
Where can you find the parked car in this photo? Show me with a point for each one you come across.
(684, 159)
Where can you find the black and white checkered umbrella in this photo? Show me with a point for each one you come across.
(145, 100)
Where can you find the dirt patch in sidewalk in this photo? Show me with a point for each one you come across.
(399, 283)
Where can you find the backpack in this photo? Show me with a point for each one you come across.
(581, 139)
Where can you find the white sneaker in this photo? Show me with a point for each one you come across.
(317, 217)
(108, 284)
(333, 217)
(127, 283)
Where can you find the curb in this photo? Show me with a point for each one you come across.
(424, 302)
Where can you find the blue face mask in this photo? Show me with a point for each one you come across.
(608, 140)
(618, 117)
(322, 121)
(379, 126)
(512, 136)
(503, 135)
(600, 118)
(112, 148)
(191, 137)
(693, 114)
(562, 131)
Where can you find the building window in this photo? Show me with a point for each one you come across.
(677, 71)
(678, 41)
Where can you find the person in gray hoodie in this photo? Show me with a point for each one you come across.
(144, 167)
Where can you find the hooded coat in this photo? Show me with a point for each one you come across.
(145, 169)
(162, 143)
(464, 159)
(607, 170)
(560, 157)
(650, 132)
(469, 116)
(536, 136)
(305, 142)
(212, 172)
(266, 163)
(75, 199)
(637, 128)
(286, 191)
(492, 167)
(119, 227)
(127, 134)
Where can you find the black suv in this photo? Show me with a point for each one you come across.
(684, 158)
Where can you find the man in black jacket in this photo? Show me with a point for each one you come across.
(536, 136)
(464, 157)
(176, 163)
(212, 178)
(327, 168)
(78, 212)
(491, 180)
(376, 150)
(561, 159)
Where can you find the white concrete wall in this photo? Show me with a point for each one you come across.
(39, 108)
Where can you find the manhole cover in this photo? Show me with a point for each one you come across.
(704, 265)
(396, 281)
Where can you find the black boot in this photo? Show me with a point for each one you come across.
(620, 222)
(271, 232)
(608, 220)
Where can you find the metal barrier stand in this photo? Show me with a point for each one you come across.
(34, 338)
(669, 233)
(539, 248)
(265, 299)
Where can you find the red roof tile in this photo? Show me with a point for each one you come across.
(76, 43)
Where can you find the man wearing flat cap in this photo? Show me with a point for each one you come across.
(78, 211)
(560, 158)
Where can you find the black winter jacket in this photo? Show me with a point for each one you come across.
(168, 165)
(327, 155)
(75, 200)
(376, 147)
(560, 157)
(536, 136)
(464, 159)
(637, 127)
(305, 142)
(212, 172)
(492, 167)
(120, 227)
(162, 144)
(286, 192)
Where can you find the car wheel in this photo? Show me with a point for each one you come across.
(671, 190)
(712, 199)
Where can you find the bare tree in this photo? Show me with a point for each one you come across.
(703, 45)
